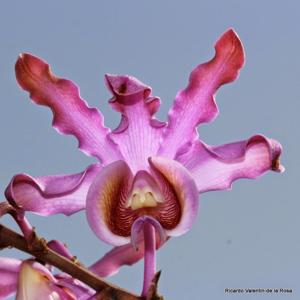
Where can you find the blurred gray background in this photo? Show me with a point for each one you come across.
(244, 238)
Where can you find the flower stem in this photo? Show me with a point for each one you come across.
(19, 216)
(25, 227)
(150, 256)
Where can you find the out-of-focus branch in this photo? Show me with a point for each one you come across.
(39, 249)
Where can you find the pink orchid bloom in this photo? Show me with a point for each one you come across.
(30, 280)
(150, 173)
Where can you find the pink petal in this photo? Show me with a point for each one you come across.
(112, 261)
(185, 189)
(139, 132)
(71, 114)
(78, 288)
(60, 248)
(106, 197)
(51, 194)
(196, 104)
(9, 269)
(35, 282)
(215, 168)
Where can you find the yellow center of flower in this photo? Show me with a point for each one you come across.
(142, 198)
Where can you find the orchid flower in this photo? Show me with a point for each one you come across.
(146, 185)
(31, 280)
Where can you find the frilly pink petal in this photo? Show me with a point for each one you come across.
(196, 104)
(51, 194)
(138, 133)
(72, 115)
(128, 91)
(215, 168)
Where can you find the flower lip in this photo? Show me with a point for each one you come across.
(116, 199)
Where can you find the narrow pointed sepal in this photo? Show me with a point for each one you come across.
(217, 167)
(71, 114)
(196, 103)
